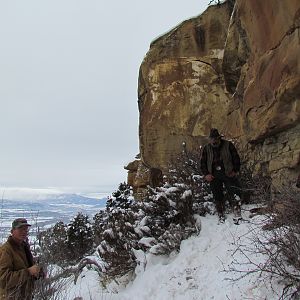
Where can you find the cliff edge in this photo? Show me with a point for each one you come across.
(234, 68)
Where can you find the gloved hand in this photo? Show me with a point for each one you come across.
(34, 270)
(208, 177)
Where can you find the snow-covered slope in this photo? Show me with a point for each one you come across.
(197, 271)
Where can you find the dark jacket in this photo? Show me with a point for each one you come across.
(225, 156)
(15, 281)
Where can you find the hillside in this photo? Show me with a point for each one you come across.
(197, 272)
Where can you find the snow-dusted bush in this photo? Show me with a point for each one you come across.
(282, 242)
(157, 224)
(186, 170)
(167, 218)
(278, 241)
(114, 229)
(53, 286)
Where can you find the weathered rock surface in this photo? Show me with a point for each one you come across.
(262, 68)
(241, 75)
(181, 87)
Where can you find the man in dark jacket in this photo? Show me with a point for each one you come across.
(17, 270)
(220, 164)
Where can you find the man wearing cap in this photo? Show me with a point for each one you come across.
(17, 270)
(220, 164)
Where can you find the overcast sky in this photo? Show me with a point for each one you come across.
(68, 86)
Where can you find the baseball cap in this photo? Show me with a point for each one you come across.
(17, 223)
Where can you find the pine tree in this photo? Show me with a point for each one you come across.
(79, 237)
(116, 233)
(53, 243)
(121, 198)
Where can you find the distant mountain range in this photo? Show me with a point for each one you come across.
(38, 194)
(60, 198)
(45, 209)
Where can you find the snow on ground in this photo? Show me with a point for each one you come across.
(195, 273)
(87, 287)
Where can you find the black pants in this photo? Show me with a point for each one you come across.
(233, 188)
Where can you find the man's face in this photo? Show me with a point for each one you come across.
(215, 142)
(21, 233)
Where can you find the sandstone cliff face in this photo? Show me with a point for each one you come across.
(262, 68)
(241, 75)
(182, 90)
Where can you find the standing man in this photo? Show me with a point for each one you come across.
(17, 270)
(220, 164)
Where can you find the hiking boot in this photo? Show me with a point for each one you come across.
(222, 219)
(236, 221)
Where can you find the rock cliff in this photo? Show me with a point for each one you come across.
(261, 67)
(237, 70)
